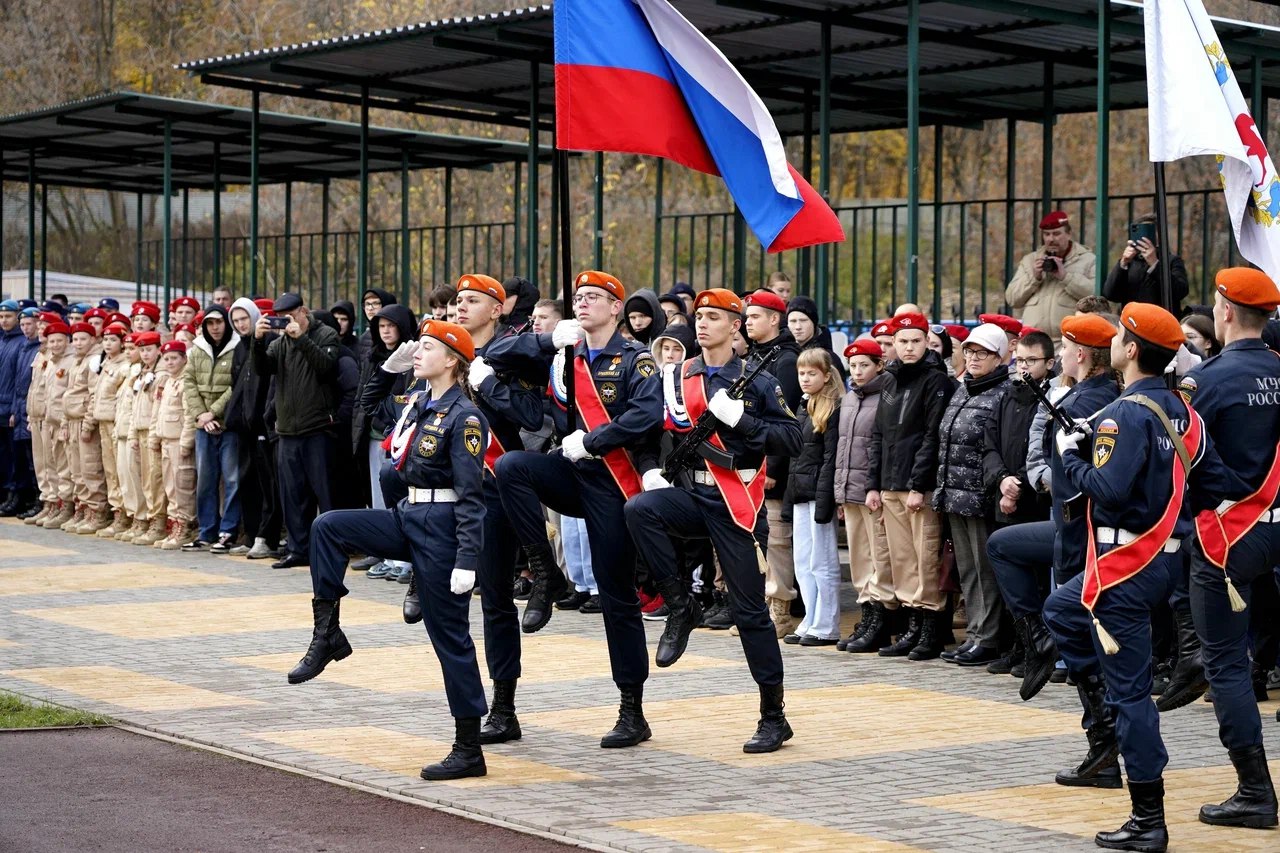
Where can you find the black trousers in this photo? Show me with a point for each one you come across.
(304, 469)
(1021, 557)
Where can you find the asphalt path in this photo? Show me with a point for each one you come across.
(110, 790)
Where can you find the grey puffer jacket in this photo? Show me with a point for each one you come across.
(857, 420)
(961, 446)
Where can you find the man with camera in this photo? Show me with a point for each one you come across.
(1136, 277)
(1049, 280)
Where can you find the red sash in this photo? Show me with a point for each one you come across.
(1218, 531)
(594, 414)
(493, 452)
(1123, 562)
(743, 499)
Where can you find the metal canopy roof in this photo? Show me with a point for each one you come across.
(115, 141)
(979, 59)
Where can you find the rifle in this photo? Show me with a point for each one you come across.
(696, 443)
(1066, 423)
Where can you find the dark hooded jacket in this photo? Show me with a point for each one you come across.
(645, 302)
(1007, 439)
(683, 334)
(903, 456)
(349, 340)
(366, 339)
(371, 421)
(526, 294)
(307, 388)
(784, 370)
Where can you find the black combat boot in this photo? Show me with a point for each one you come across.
(685, 614)
(1258, 678)
(1253, 805)
(1041, 655)
(718, 617)
(412, 608)
(907, 641)
(1145, 829)
(1188, 682)
(929, 645)
(465, 759)
(1099, 768)
(328, 643)
(502, 724)
(549, 586)
(631, 728)
(859, 629)
(773, 729)
(875, 634)
(9, 508)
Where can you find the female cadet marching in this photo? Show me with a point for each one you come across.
(437, 448)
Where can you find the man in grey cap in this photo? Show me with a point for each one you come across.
(303, 361)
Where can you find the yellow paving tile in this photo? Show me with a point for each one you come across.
(749, 832)
(1085, 811)
(127, 688)
(412, 668)
(406, 755)
(15, 549)
(5, 644)
(103, 576)
(830, 722)
(163, 619)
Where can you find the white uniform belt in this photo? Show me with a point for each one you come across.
(1271, 516)
(1112, 536)
(432, 496)
(704, 478)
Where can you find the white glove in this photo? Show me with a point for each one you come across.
(726, 409)
(402, 359)
(1068, 441)
(461, 581)
(653, 480)
(573, 448)
(567, 333)
(1183, 360)
(479, 372)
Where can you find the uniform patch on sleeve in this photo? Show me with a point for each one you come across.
(471, 436)
(1103, 449)
(646, 366)
(1108, 427)
(782, 400)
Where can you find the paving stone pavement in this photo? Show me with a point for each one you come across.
(888, 755)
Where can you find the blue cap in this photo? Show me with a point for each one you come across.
(55, 306)
(287, 302)
(109, 303)
(79, 307)
(28, 303)
(683, 287)
(30, 312)
(9, 305)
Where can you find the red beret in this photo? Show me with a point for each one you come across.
(266, 306)
(174, 346)
(1249, 287)
(767, 299)
(958, 331)
(884, 327)
(102, 313)
(148, 309)
(1153, 324)
(485, 284)
(146, 339)
(87, 328)
(119, 330)
(1088, 330)
(57, 328)
(50, 317)
(908, 322)
(184, 302)
(1029, 330)
(185, 327)
(602, 280)
(451, 335)
(718, 297)
(1004, 321)
(117, 317)
(1056, 219)
(864, 346)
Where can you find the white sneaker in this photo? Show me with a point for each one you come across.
(260, 550)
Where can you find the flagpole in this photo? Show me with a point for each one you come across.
(566, 281)
(1165, 250)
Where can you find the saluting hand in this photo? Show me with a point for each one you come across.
(402, 359)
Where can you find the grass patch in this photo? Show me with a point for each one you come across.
(18, 713)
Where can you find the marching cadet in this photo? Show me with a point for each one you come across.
(725, 504)
(83, 448)
(437, 449)
(128, 463)
(1237, 393)
(112, 370)
(618, 400)
(1146, 446)
(177, 440)
(37, 407)
(151, 502)
(57, 379)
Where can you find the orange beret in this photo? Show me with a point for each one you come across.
(909, 322)
(864, 346)
(88, 328)
(174, 346)
(718, 297)
(487, 285)
(1088, 330)
(1153, 324)
(1004, 321)
(451, 335)
(146, 339)
(1249, 287)
(1055, 219)
(882, 328)
(602, 280)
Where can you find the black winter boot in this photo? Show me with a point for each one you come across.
(412, 608)
(685, 615)
(859, 629)
(875, 634)
(328, 643)
(1041, 655)
(773, 729)
(631, 727)
(907, 641)
(465, 760)
(1145, 829)
(1099, 768)
(502, 725)
(1253, 805)
(549, 586)
(1258, 677)
(929, 646)
(1188, 682)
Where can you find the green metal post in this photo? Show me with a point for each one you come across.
(657, 228)
(1102, 218)
(824, 168)
(556, 222)
(598, 254)
(531, 247)
(913, 150)
(288, 234)
(167, 225)
(1258, 102)
(1046, 137)
(739, 251)
(1010, 192)
(254, 132)
(186, 212)
(44, 241)
(937, 222)
(515, 217)
(31, 224)
(137, 249)
(805, 271)
(448, 224)
(404, 227)
(324, 250)
(217, 215)
(362, 252)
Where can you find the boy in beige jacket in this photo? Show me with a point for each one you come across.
(151, 503)
(113, 367)
(84, 451)
(57, 379)
(177, 448)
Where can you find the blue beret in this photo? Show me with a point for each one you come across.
(30, 312)
(9, 305)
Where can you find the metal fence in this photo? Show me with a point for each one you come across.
(323, 267)
(968, 248)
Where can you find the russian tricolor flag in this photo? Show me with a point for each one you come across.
(634, 76)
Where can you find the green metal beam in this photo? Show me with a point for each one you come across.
(598, 242)
(657, 227)
(184, 277)
(1102, 218)
(166, 252)
(1046, 142)
(217, 215)
(1258, 102)
(937, 223)
(824, 167)
(44, 241)
(31, 224)
(137, 248)
(1010, 193)
(288, 236)
(404, 230)
(362, 242)
(913, 151)
(531, 240)
(450, 273)
(254, 201)
(324, 253)
(516, 206)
